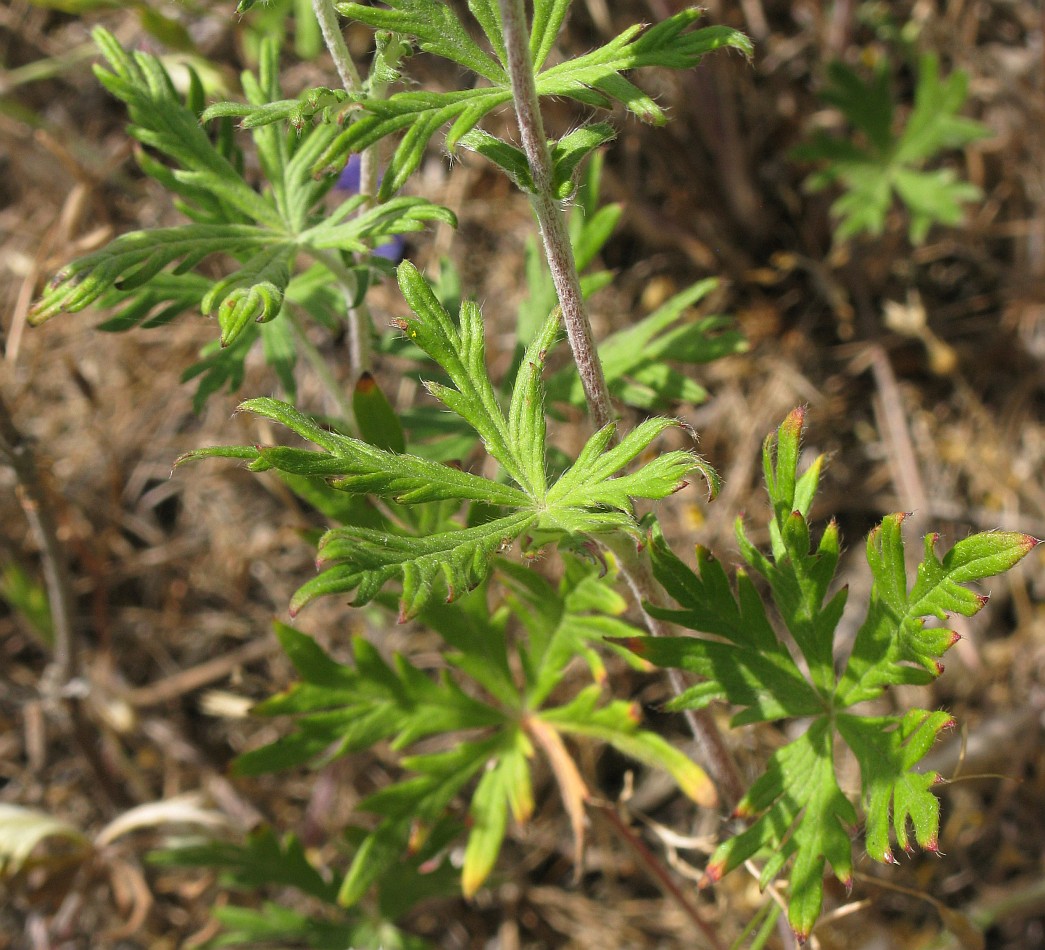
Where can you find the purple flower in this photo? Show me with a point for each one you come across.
(349, 180)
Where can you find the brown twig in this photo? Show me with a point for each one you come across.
(657, 870)
(15, 450)
(60, 680)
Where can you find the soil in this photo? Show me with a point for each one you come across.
(175, 579)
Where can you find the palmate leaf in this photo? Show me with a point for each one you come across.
(592, 496)
(594, 79)
(891, 160)
(797, 810)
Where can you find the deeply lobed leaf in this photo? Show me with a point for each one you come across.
(798, 813)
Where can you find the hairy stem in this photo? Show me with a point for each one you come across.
(559, 252)
(330, 27)
(359, 325)
(556, 238)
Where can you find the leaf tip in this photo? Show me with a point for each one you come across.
(637, 645)
(712, 874)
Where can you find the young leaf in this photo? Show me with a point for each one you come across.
(892, 161)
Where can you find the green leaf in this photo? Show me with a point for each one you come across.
(798, 816)
(262, 859)
(891, 160)
(893, 644)
(571, 150)
(439, 566)
(888, 750)
(506, 780)
(753, 669)
(594, 496)
(796, 810)
(420, 799)
(340, 709)
(377, 420)
(134, 259)
(594, 80)
(274, 924)
(27, 597)
(617, 723)
(510, 159)
(436, 29)
(636, 359)
(149, 275)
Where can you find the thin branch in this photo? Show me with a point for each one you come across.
(658, 871)
(15, 450)
(60, 679)
(359, 325)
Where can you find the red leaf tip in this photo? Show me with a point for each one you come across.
(712, 874)
(636, 645)
(796, 417)
(889, 858)
(933, 845)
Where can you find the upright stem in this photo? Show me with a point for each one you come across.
(557, 246)
(359, 324)
(559, 252)
(330, 27)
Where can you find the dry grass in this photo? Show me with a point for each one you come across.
(176, 580)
